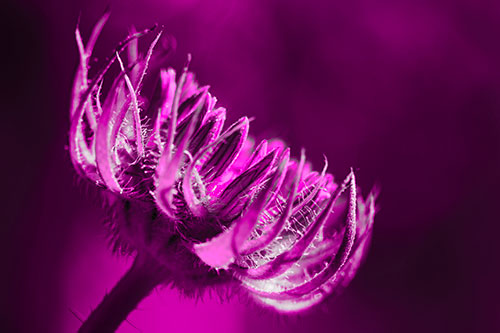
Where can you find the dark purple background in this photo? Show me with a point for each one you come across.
(408, 92)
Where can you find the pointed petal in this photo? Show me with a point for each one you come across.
(197, 107)
(172, 126)
(168, 87)
(197, 99)
(192, 201)
(189, 87)
(259, 152)
(99, 77)
(244, 231)
(80, 83)
(221, 251)
(269, 234)
(135, 110)
(309, 192)
(96, 31)
(142, 69)
(226, 152)
(209, 131)
(239, 189)
(168, 169)
(283, 159)
(103, 146)
(332, 269)
(133, 55)
(283, 262)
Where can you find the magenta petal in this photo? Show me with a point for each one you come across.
(172, 124)
(226, 152)
(80, 84)
(312, 185)
(137, 130)
(103, 147)
(197, 100)
(217, 252)
(257, 207)
(234, 194)
(168, 87)
(239, 163)
(292, 305)
(208, 131)
(285, 260)
(282, 162)
(82, 157)
(221, 251)
(198, 110)
(259, 152)
(191, 200)
(271, 232)
(168, 170)
(333, 268)
(141, 70)
(276, 144)
(189, 87)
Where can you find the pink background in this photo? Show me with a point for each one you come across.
(407, 92)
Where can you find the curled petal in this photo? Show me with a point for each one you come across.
(198, 109)
(270, 233)
(234, 194)
(168, 88)
(81, 156)
(282, 290)
(221, 251)
(226, 152)
(192, 201)
(258, 154)
(209, 130)
(137, 133)
(169, 166)
(108, 123)
(308, 193)
(197, 100)
(285, 260)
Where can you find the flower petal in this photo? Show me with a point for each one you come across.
(286, 290)
(271, 232)
(232, 199)
(198, 107)
(196, 208)
(209, 130)
(284, 261)
(168, 88)
(226, 152)
(221, 251)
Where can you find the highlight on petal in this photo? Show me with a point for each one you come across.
(222, 250)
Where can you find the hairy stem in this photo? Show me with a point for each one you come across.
(140, 280)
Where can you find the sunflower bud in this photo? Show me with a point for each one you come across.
(200, 199)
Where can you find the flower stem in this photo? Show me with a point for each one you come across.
(140, 280)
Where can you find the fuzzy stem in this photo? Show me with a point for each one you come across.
(140, 280)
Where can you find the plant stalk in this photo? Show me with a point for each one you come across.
(139, 281)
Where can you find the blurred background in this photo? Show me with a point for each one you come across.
(407, 92)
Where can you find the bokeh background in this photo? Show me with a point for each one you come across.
(407, 92)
